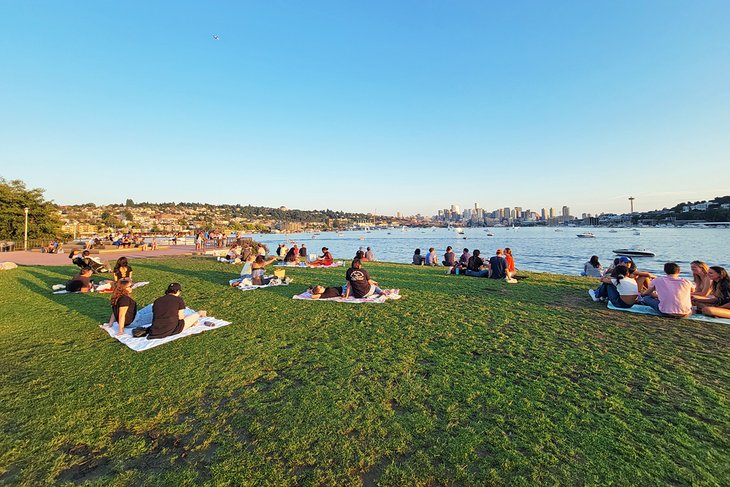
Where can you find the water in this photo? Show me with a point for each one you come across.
(541, 249)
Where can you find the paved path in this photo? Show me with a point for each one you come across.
(37, 258)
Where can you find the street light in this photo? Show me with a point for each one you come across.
(25, 240)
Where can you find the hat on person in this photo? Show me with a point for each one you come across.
(173, 288)
(324, 248)
(624, 260)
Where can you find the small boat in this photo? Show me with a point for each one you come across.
(634, 252)
(460, 231)
(613, 231)
(361, 238)
(636, 232)
(586, 235)
(490, 234)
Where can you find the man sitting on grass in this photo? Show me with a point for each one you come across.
(81, 282)
(359, 283)
(670, 295)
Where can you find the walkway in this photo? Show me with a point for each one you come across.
(37, 258)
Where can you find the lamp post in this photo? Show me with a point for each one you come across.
(25, 238)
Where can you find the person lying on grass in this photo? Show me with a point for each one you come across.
(359, 283)
(81, 282)
(124, 308)
(168, 314)
(321, 292)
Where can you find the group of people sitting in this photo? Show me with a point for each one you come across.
(358, 284)
(81, 281)
(623, 285)
(500, 266)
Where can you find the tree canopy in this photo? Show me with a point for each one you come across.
(43, 219)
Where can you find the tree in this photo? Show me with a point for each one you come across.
(130, 202)
(43, 219)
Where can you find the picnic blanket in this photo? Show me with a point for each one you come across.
(102, 288)
(142, 343)
(648, 310)
(303, 264)
(245, 283)
(376, 298)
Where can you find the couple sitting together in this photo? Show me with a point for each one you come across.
(167, 316)
(359, 285)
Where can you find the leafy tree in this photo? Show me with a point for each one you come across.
(43, 220)
(130, 202)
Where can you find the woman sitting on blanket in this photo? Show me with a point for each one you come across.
(321, 292)
(258, 270)
(720, 292)
(124, 308)
(168, 314)
(324, 260)
(359, 283)
(292, 256)
(620, 289)
(122, 269)
(700, 274)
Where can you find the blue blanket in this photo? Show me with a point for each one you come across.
(648, 310)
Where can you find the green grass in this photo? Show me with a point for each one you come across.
(464, 381)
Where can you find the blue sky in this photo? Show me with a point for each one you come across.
(368, 106)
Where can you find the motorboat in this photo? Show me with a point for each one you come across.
(490, 234)
(634, 252)
(613, 231)
(460, 231)
(586, 235)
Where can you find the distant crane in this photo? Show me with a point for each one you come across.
(631, 200)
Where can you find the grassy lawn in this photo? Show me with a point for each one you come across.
(464, 381)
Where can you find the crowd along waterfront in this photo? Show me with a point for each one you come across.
(543, 249)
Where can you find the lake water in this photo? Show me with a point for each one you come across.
(541, 249)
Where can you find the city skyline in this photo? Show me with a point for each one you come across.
(381, 108)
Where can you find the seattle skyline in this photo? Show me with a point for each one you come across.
(376, 108)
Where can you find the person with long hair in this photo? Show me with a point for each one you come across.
(359, 283)
(720, 293)
(124, 308)
(703, 283)
(592, 268)
(620, 289)
(122, 269)
(510, 262)
(258, 269)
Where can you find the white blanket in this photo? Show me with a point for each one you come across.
(377, 299)
(142, 343)
(648, 310)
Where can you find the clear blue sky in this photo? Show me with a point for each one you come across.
(390, 106)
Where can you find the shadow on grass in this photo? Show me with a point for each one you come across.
(221, 277)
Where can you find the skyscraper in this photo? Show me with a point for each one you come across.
(552, 212)
(544, 214)
(566, 212)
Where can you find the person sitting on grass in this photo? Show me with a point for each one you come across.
(324, 260)
(720, 290)
(168, 314)
(124, 308)
(464, 258)
(476, 267)
(369, 255)
(620, 289)
(81, 282)
(511, 271)
(670, 295)
(592, 268)
(258, 270)
(498, 266)
(122, 269)
(321, 292)
(431, 257)
(700, 275)
(359, 283)
(449, 257)
(418, 259)
(292, 256)
(303, 251)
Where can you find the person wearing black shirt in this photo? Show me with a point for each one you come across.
(168, 314)
(475, 266)
(498, 264)
(303, 251)
(124, 308)
(81, 282)
(122, 269)
(321, 292)
(359, 282)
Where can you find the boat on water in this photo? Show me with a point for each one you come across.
(636, 232)
(460, 231)
(586, 235)
(634, 252)
(490, 234)
(613, 231)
